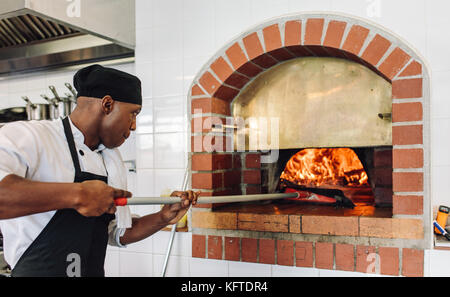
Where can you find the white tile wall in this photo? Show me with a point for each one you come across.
(242, 269)
(174, 40)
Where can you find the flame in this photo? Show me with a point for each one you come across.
(317, 167)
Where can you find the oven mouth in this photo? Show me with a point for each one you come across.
(336, 197)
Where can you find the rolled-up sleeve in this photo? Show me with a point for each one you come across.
(18, 150)
(114, 233)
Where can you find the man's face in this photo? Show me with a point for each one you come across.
(118, 123)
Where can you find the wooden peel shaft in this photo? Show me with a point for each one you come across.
(203, 200)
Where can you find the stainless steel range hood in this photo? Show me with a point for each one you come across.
(41, 34)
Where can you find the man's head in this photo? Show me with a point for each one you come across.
(111, 96)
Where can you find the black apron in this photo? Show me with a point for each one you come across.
(70, 244)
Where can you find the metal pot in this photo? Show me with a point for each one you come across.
(37, 111)
(68, 103)
(13, 114)
(54, 107)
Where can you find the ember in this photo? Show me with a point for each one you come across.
(319, 167)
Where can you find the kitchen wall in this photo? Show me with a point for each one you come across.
(174, 39)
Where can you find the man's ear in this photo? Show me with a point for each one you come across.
(107, 104)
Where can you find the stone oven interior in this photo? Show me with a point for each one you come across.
(373, 198)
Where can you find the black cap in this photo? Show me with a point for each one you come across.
(98, 81)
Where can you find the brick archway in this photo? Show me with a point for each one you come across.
(266, 45)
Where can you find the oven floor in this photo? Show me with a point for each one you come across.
(362, 198)
(276, 207)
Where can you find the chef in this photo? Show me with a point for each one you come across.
(59, 179)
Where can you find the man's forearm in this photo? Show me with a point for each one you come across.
(143, 227)
(21, 197)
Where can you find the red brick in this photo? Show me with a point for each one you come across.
(407, 158)
(249, 249)
(211, 143)
(249, 69)
(196, 91)
(407, 182)
(294, 224)
(330, 225)
(232, 249)
(303, 254)
(263, 222)
(221, 68)
(324, 255)
(389, 260)
(313, 33)
(285, 252)
(292, 33)
(226, 93)
(408, 205)
(345, 257)
(272, 37)
(365, 259)
(407, 112)
(334, 34)
(407, 88)
(209, 83)
(251, 190)
(383, 176)
(414, 68)
(394, 63)
(382, 158)
(265, 61)
(376, 49)
(355, 39)
(206, 180)
(210, 105)
(281, 54)
(236, 55)
(412, 262)
(214, 220)
(236, 80)
(237, 161)
(252, 45)
(253, 161)
(383, 196)
(211, 161)
(214, 247)
(299, 51)
(318, 50)
(231, 178)
(198, 246)
(266, 251)
(402, 135)
(252, 177)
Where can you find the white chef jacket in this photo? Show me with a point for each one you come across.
(38, 151)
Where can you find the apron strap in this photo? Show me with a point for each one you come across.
(71, 143)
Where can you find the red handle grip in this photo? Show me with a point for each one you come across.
(121, 201)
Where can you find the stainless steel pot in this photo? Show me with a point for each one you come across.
(54, 107)
(37, 111)
(13, 114)
(66, 104)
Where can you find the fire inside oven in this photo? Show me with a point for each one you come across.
(341, 177)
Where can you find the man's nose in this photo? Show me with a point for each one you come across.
(133, 125)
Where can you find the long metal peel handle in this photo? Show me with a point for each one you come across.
(203, 200)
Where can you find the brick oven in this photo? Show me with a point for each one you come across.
(379, 114)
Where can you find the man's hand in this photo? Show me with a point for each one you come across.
(172, 213)
(96, 198)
